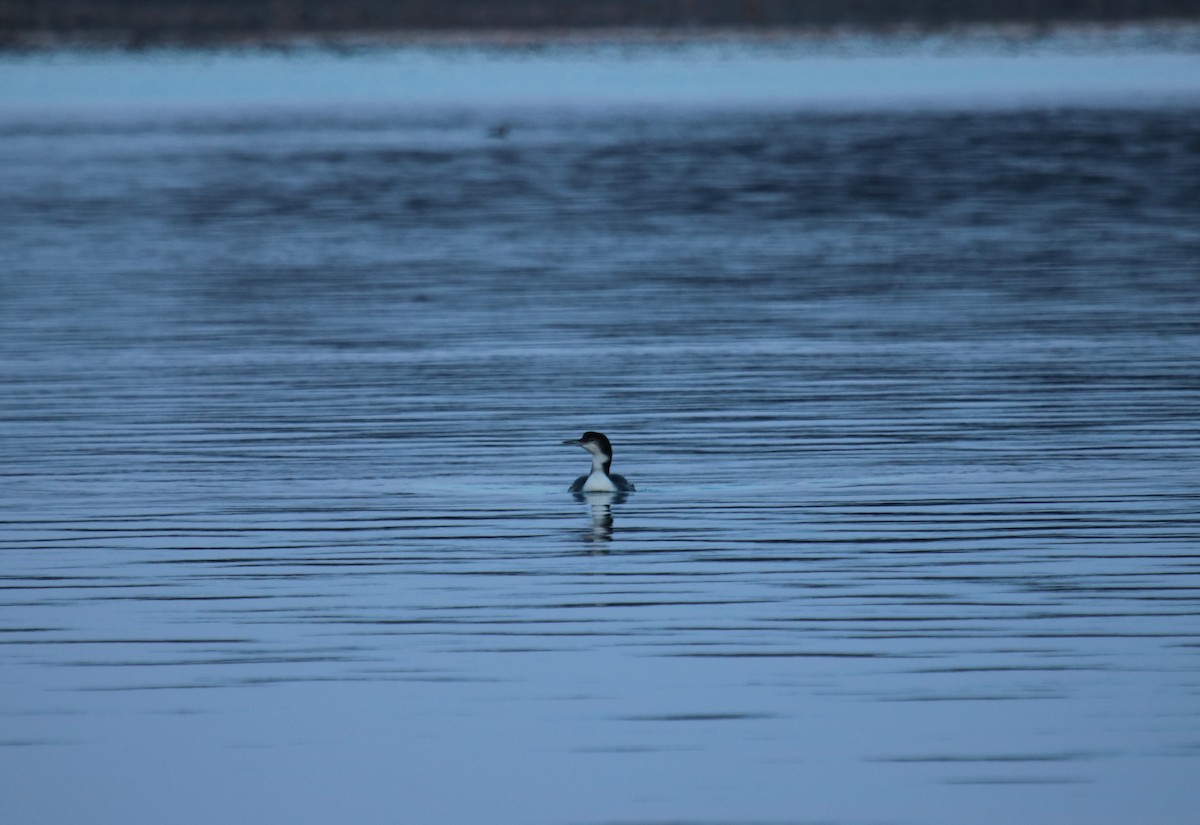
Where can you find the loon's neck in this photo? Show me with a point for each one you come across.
(598, 481)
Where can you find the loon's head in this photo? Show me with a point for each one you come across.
(596, 444)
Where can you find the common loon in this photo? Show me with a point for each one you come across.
(599, 480)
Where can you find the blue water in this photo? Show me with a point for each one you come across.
(910, 395)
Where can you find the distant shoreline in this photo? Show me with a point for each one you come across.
(134, 24)
(1177, 34)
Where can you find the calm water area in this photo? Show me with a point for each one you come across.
(910, 392)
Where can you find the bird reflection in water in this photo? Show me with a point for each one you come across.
(600, 505)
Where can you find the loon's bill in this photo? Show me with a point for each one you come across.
(599, 480)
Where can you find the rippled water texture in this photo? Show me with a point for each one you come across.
(910, 399)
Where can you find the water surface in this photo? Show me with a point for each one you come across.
(910, 397)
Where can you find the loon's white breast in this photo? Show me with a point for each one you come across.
(599, 482)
